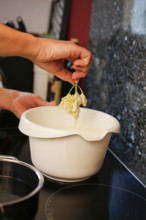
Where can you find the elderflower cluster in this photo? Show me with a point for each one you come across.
(71, 103)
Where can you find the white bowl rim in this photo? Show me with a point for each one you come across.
(46, 132)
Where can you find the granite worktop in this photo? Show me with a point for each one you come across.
(116, 82)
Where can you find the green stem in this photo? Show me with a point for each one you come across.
(76, 88)
(71, 89)
(80, 88)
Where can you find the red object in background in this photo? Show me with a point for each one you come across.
(79, 24)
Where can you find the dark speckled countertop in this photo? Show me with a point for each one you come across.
(116, 83)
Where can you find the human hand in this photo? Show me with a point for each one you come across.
(18, 102)
(25, 101)
(50, 54)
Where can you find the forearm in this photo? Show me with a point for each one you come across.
(15, 43)
(48, 54)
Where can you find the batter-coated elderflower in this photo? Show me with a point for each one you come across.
(71, 103)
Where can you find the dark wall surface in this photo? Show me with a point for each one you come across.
(116, 82)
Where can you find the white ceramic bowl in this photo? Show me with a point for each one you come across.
(63, 152)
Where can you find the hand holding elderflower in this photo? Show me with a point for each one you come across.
(71, 103)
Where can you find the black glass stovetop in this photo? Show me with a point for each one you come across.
(114, 193)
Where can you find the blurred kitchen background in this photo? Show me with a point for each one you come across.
(115, 32)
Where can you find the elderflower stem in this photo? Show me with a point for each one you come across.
(80, 88)
(71, 89)
(76, 88)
